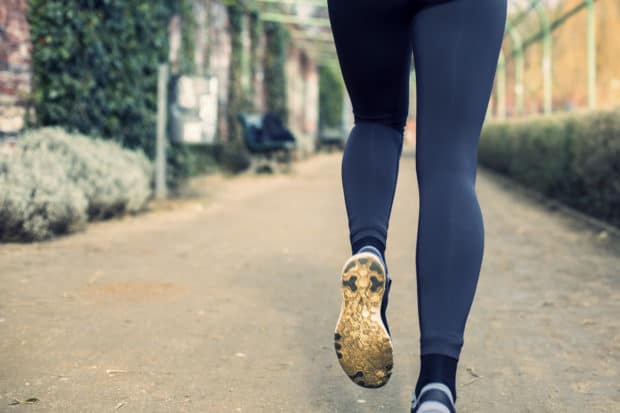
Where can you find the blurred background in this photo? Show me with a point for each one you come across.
(212, 131)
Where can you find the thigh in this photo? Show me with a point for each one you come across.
(373, 43)
(456, 47)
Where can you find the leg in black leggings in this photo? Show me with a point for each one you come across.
(455, 45)
(374, 50)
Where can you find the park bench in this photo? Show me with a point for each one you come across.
(267, 139)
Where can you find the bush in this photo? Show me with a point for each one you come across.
(233, 157)
(95, 65)
(37, 199)
(572, 157)
(52, 182)
(185, 161)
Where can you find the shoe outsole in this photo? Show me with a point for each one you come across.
(363, 345)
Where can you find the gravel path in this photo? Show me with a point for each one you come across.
(227, 303)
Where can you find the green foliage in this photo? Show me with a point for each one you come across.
(233, 157)
(572, 157)
(185, 161)
(236, 101)
(185, 10)
(331, 95)
(235, 93)
(275, 77)
(255, 34)
(95, 65)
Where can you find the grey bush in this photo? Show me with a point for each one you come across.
(52, 182)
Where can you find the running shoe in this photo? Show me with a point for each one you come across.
(434, 397)
(362, 339)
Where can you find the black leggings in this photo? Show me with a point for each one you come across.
(455, 45)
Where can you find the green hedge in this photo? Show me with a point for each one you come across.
(95, 65)
(574, 158)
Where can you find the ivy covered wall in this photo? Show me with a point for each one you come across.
(95, 65)
(331, 96)
(274, 64)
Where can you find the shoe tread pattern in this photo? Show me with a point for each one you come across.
(363, 345)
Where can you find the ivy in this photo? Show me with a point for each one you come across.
(275, 76)
(185, 10)
(255, 34)
(235, 92)
(331, 95)
(95, 66)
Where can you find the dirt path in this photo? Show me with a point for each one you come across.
(227, 303)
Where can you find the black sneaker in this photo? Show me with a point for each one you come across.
(434, 397)
(362, 339)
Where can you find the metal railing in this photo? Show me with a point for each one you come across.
(520, 45)
(316, 43)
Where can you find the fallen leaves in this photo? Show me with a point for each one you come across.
(31, 400)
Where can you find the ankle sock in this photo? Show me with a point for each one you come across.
(373, 250)
(384, 303)
(438, 368)
(376, 246)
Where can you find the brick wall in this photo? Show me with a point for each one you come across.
(15, 64)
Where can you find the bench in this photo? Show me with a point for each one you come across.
(276, 143)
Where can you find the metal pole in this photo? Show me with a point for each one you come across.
(160, 156)
(501, 87)
(591, 56)
(547, 57)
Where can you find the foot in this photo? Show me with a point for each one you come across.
(362, 340)
(434, 397)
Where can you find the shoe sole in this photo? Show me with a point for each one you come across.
(363, 345)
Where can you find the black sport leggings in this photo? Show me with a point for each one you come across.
(455, 46)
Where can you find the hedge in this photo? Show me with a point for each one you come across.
(574, 158)
(95, 65)
(53, 182)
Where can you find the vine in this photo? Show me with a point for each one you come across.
(274, 65)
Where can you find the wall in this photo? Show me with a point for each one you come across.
(212, 55)
(302, 98)
(15, 65)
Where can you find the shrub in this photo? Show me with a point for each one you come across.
(53, 181)
(186, 161)
(233, 158)
(95, 65)
(572, 157)
(37, 199)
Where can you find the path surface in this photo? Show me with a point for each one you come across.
(228, 302)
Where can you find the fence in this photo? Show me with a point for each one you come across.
(544, 35)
